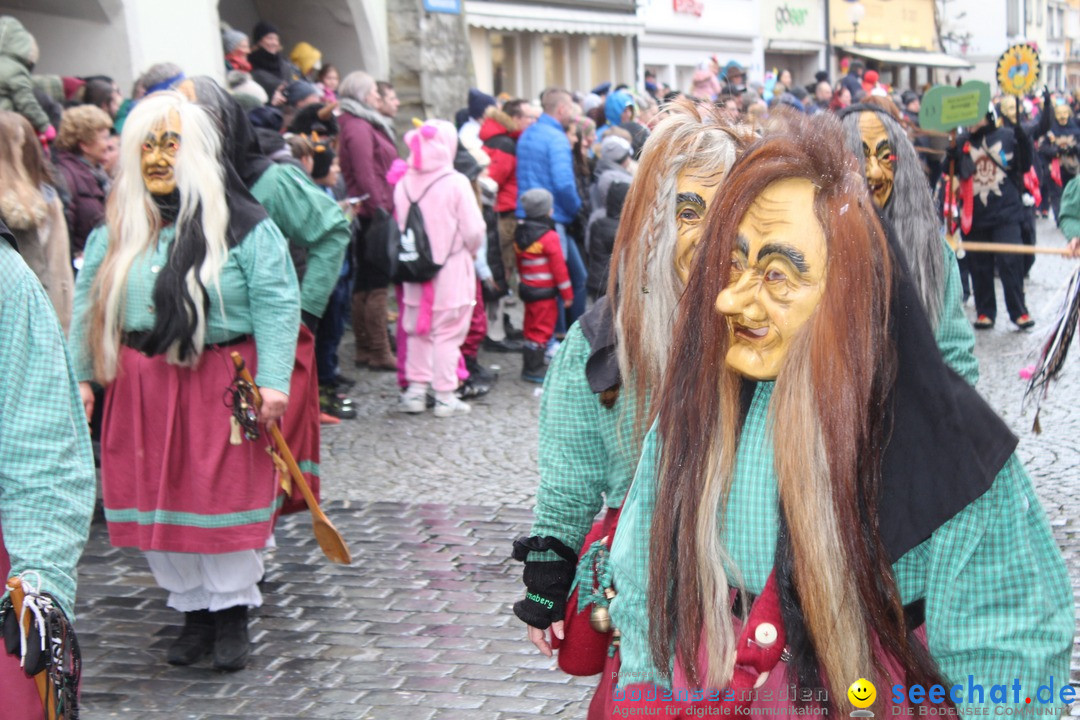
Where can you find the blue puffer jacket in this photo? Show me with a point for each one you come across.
(544, 160)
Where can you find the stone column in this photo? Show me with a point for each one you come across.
(580, 63)
(430, 61)
(480, 42)
(532, 64)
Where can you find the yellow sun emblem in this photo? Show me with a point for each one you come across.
(1018, 69)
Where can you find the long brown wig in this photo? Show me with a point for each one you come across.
(827, 417)
(642, 281)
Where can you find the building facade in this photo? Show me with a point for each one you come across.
(679, 35)
(897, 37)
(793, 35)
(524, 46)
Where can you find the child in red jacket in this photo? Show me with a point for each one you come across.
(543, 274)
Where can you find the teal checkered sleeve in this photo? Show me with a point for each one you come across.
(47, 480)
(585, 456)
(955, 336)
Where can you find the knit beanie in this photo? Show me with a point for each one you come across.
(262, 29)
(615, 149)
(231, 39)
(298, 91)
(537, 203)
(478, 103)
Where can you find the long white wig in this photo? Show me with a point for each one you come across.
(134, 222)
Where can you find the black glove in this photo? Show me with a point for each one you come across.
(547, 585)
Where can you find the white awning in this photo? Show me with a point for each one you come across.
(801, 47)
(550, 19)
(910, 57)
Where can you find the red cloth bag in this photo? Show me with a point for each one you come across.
(583, 651)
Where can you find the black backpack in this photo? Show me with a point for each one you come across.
(407, 256)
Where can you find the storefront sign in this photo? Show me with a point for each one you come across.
(791, 20)
(945, 107)
(689, 7)
(450, 7)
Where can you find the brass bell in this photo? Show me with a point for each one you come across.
(600, 619)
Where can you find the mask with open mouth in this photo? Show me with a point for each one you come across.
(879, 157)
(777, 278)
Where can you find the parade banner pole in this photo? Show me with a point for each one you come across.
(1005, 248)
(330, 540)
(15, 590)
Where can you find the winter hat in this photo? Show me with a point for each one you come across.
(314, 118)
(248, 102)
(323, 159)
(537, 203)
(231, 39)
(592, 100)
(602, 89)
(908, 96)
(299, 91)
(241, 83)
(478, 103)
(262, 29)
(305, 56)
(615, 149)
(266, 117)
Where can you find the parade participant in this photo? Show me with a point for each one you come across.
(595, 401)
(47, 477)
(318, 236)
(1060, 148)
(814, 485)
(898, 188)
(994, 160)
(187, 269)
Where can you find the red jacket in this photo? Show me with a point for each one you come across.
(540, 259)
(499, 133)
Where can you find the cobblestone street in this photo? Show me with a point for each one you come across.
(420, 625)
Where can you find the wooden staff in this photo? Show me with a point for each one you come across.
(330, 540)
(18, 597)
(961, 247)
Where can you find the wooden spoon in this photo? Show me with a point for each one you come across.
(330, 540)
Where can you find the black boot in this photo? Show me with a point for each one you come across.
(478, 372)
(231, 644)
(508, 328)
(533, 368)
(196, 639)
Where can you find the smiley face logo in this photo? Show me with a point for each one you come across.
(862, 693)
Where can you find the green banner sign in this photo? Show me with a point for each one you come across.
(945, 108)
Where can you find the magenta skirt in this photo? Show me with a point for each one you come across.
(171, 480)
(300, 426)
(20, 695)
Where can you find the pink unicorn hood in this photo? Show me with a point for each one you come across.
(432, 146)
